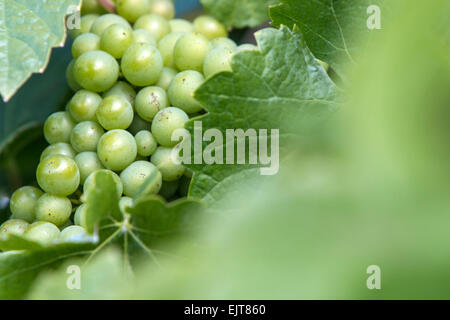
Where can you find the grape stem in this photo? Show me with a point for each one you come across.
(108, 5)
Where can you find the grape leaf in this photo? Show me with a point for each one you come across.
(18, 269)
(281, 86)
(333, 29)
(29, 29)
(238, 13)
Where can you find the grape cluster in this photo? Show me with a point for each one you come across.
(134, 74)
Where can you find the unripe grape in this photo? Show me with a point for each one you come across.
(86, 22)
(168, 189)
(149, 101)
(23, 203)
(54, 209)
(42, 232)
(91, 6)
(70, 77)
(163, 160)
(67, 224)
(90, 181)
(58, 175)
(134, 176)
(166, 46)
(14, 226)
(138, 124)
(166, 77)
(85, 136)
(218, 60)
(209, 27)
(182, 88)
(72, 232)
(116, 39)
(247, 47)
(122, 88)
(142, 64)
(87, 163)
(223, 42)
(57, 127)
(117, 149)
(96, 71)
(153, 23)
(60, 148)
(141, 35)
(166, 122)
(101, 23)
(190, 51)
(146, 143)
(164, 8)
(115, 112)
(181, 25)
(132, 9)
(84, 43)
(80, 216)
(83, 105)
(125, 203)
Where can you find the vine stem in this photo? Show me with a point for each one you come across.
(108, 5)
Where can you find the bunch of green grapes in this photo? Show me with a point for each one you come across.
(134, 74)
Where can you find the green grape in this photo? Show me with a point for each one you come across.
(166, 77)
(181, 25)
(67, 224)
(101, 23)
(135, 175)
(132, 9)
(168, 189)
(83, 105)
(90, 181)
(116, 39)
(166, 122)
(57, 127)
(85, 136)
(141, 35)
(190, 51)
(42, 232)
(138, 124)
(223, 42)
(218, 60)
(182, 88)
(185, 182)
(54, 209)
(23, 202)
(146, 144)
(122, 88)
(163, 160)
(209, 27)
(153, 23)
(166, 46)
(60, 148)
(14, 226)
(91, 6)
(70, 77)
(247, 47)
(117, 149)
(86, 22)
(164, 8)
(96, 71)
(72, 232)
(115, 112)
(149, 101)
(87, 163)
(84, 43)
(142, 64)
(58, 175)
(188, 173)
(80, 216)
(125, 203)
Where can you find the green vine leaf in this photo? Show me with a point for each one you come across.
(29, 29)
(238, 13)
(279, 86)
(335, 31)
